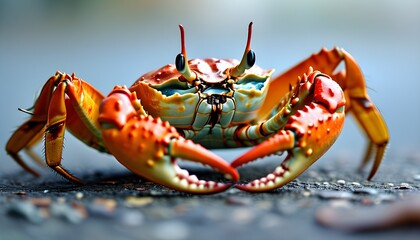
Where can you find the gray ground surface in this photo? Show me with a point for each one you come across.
(116, 204)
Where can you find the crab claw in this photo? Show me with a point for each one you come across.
(308, 134)
(148, 147)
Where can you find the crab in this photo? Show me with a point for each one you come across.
(181, 110)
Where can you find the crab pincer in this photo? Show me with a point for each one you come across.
(315, 116)
(149, 146)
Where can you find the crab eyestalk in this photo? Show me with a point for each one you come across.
(149, 147)
(181, 60)
(248, 59)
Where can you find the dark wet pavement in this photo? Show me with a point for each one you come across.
(329, 201)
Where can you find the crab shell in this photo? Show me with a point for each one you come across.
(165, 94)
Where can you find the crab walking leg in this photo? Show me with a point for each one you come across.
(65, 102)
(31, 132)
(148, 147)
(312, 120)
(362, 108)
(74, 106)
(352, 82)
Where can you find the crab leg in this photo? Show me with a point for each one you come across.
(308, 133)
(31, 132)
(351, 80)
(148, 146)
(65, 102)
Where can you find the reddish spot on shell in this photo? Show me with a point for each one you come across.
(130, 135)
(331, 92)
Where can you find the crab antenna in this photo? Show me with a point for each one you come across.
(248, 59)
(181, 60)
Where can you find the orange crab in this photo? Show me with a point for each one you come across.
(177, 110)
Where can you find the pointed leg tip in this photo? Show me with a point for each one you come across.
(371, 174)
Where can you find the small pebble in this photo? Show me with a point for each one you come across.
(131, 218)
(162, 212)
(264, 205)
(335, 195)
(404, 186)
(171, 230)
(342, 182)
(362, 219)
(61, 200)
(417, 177)
(66, 212)
(21, 193)
(138, 201)
(40, 202)
(385, 198)
(102, 207)
(366, 191)
(340, 203)
(270, 220)
(235, 200)
(25, 210)
(79, 195)
(306, 193)
(242, 215)
(287, 208)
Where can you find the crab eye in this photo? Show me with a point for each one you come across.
(180, 62)
(183, 68)
(250, 59)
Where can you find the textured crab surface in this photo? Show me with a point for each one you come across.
(211, 70)
(307, 135)
(164, 95)
(149, 146)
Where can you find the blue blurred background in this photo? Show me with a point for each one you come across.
(114, 42)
